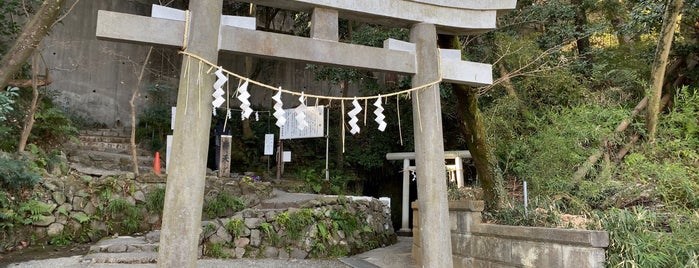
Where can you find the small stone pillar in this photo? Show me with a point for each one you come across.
(405, 212)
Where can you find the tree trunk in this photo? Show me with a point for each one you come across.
(29, 123)
(670, 21)
(132, 103)
(473, 131)
(506, 82)
(35, 31)
(583, 40)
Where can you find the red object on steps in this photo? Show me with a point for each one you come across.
(156, 163)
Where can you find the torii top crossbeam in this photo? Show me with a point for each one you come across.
(450, 16)
(167, 27)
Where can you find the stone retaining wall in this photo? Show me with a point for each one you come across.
(475, 244)
(81, 208)
(330, 226)
(77, 208)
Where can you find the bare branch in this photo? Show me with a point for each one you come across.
(66, 14)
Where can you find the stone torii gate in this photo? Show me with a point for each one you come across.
(206, 36)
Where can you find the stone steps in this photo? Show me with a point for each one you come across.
(108, 149)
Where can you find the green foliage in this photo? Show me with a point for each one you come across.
(209, 229)
(642, 237)
(338, 251)
(216, 251)
(222, 204)
(7, 212)
(345, 221)
(123, 216)
(62, 239)
(81, 218)
(269, 231)
(51, 127)
(33, 211)
(548, 158)
(17, 174)
(515, 215)
(6, 101)
(154, 122)
(235, 227)
(295, 222)
(155, 200)
(314, 180)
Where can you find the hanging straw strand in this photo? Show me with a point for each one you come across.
(311, 95)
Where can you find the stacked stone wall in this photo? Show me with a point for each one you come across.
(81, 208)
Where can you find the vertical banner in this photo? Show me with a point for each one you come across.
(172, 117)
(269, 144)
(167, 153)
(224, 164)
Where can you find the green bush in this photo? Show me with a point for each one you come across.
(155, 200)
(222, 204)
(642, 237)
(17, 174)
(154, 122)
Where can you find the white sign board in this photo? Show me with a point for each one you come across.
(314, 117)
(269, 144)
(167, 154)
(172, 118)
(286, 157)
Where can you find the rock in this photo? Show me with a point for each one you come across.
(61, 218)
(253, 252)
(52, 185)
(242, 242)
(255, 238)
(89, 208)
(153, 236)
(116, 248)
(298, 254)
(79, 216)
(270, 252)
(253, 222)
(153, 219)
(239, 252)
(139, 196)
(98, 226)
(78, 202)
(59, 197)
(45, 221)
(55, 229)
(283, 255)
(220, 237)
(226, 251)
(270, 215)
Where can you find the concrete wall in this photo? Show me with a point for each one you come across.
(476, 244)
(94, 78)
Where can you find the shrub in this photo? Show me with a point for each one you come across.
(223, 203)
(16, 174)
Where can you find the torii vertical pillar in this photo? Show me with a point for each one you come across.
(184, 191)
(434, 226)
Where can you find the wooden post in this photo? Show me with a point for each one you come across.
(184, 192)
(224, 161)
(429, 150)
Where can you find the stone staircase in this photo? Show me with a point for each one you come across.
(107, 152)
